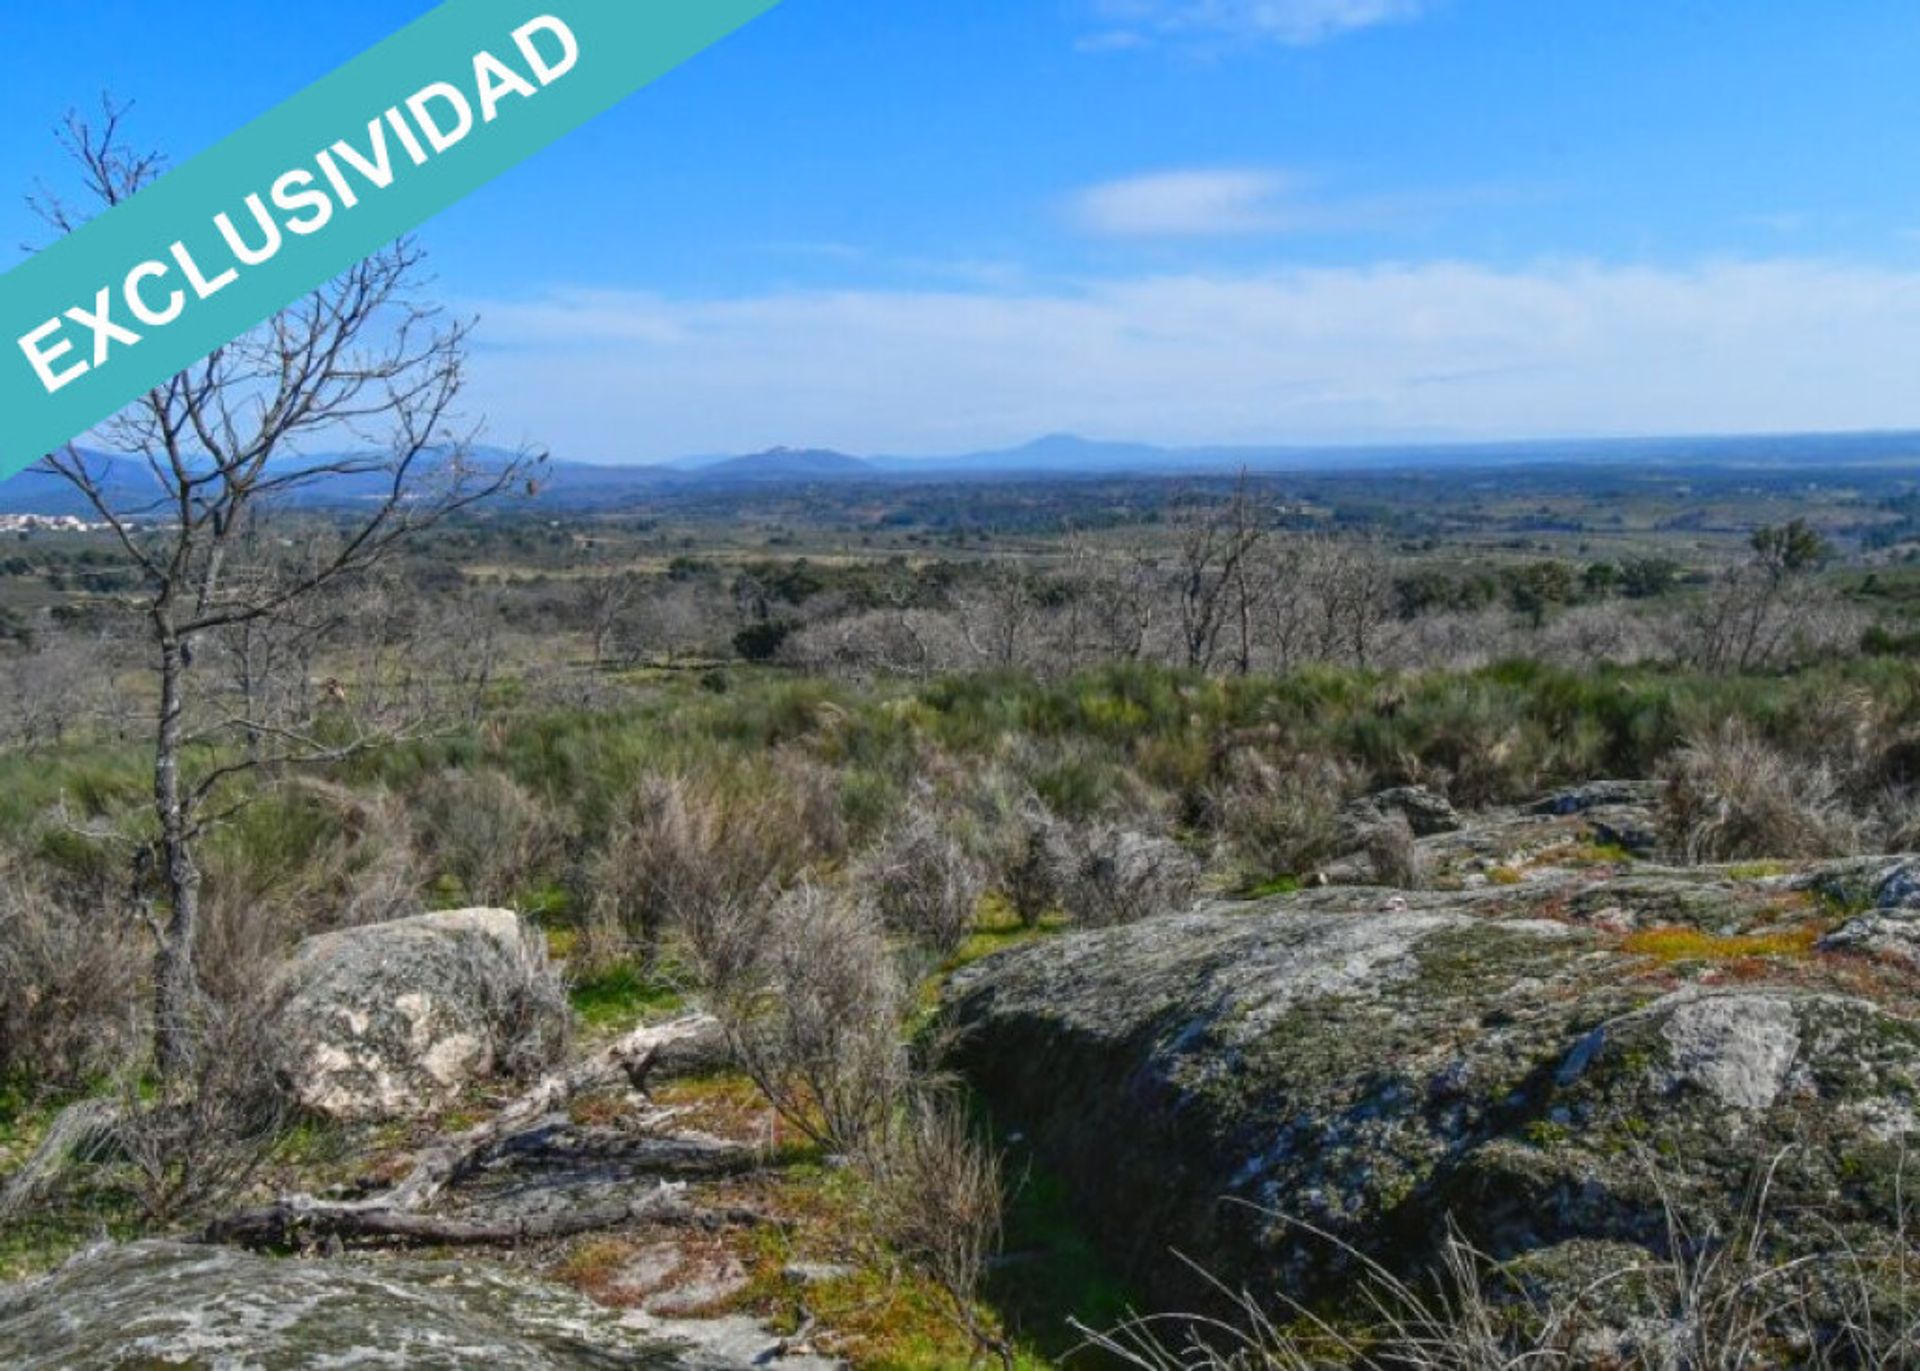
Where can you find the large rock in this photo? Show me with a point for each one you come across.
(1814, 1094)
(1213, 1082)
(392, 1020)
(168, 1304)
(1426, 812)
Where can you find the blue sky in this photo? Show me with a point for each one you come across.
(934, 225)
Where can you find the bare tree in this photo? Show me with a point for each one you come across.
(1110, 601)
(1215, 589)
(359, 363)
(998, 615)
(1752, 617)
(609, 595)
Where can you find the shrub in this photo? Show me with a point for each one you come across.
(814, 1018)
(69, 983)
(1028, 861)
(486, 831)
(1732, 797)
(937, 1200)
(686, 854)
(531, 1012)
(197, 1136)
(923, 882)
(1278, 821)
(1110, 875)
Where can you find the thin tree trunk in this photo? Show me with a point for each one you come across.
(174, 982)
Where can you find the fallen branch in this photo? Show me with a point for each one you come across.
(282, 1224)
(628, 1059)
(394, 1212)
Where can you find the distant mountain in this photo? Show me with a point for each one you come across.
(124, 481)
(567, 485)
(785, 464)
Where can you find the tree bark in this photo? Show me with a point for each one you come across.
(174, 983)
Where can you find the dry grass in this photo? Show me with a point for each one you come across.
(1731, 796)
(486, 831)
(936, 1203)
(69, 983)
(1110, 875)
(683, 853)
(1278, 820)
(195, 1138)
(1719, 1301)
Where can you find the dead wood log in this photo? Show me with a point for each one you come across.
(289, 1222)
(395, 1212)
(628, 1059)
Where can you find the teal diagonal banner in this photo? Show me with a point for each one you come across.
(357, 160)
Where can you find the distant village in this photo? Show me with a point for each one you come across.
(47, 523)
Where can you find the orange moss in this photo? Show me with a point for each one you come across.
(1693, 945)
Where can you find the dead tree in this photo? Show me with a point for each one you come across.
(360, 364)
(1215, 590)
(609, 595)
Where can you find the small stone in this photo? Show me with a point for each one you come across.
(814, 1273)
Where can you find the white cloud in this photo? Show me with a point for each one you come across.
(1225, 201)
(1197, 203)
(1296, 23)
(1290, 355)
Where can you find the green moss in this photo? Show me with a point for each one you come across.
(1546, 1134)
(1277, 885)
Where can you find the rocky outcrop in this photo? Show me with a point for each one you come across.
(392, 1020)
(168, 1304)
(1425, 811)
(1255, 1085)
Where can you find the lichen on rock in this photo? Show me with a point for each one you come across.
(392, 1020)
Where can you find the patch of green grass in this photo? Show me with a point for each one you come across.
(42, 1240)
(1054, 1271)
(626, 996)
(1595, 854)
(998, 929)
(1276, 885)
(1546, 1135)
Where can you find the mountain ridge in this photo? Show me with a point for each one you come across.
(1053, 456)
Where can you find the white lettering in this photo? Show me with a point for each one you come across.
(340, 186)
(378, 169)
(44, 358)
(421, 104)
(314, 200)
(404, 132)
(202, 287)
(105, 332)
(496, 80)
(136, 303)
(247, 256)
(548, 72)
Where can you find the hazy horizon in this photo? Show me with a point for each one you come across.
(1187, 222)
